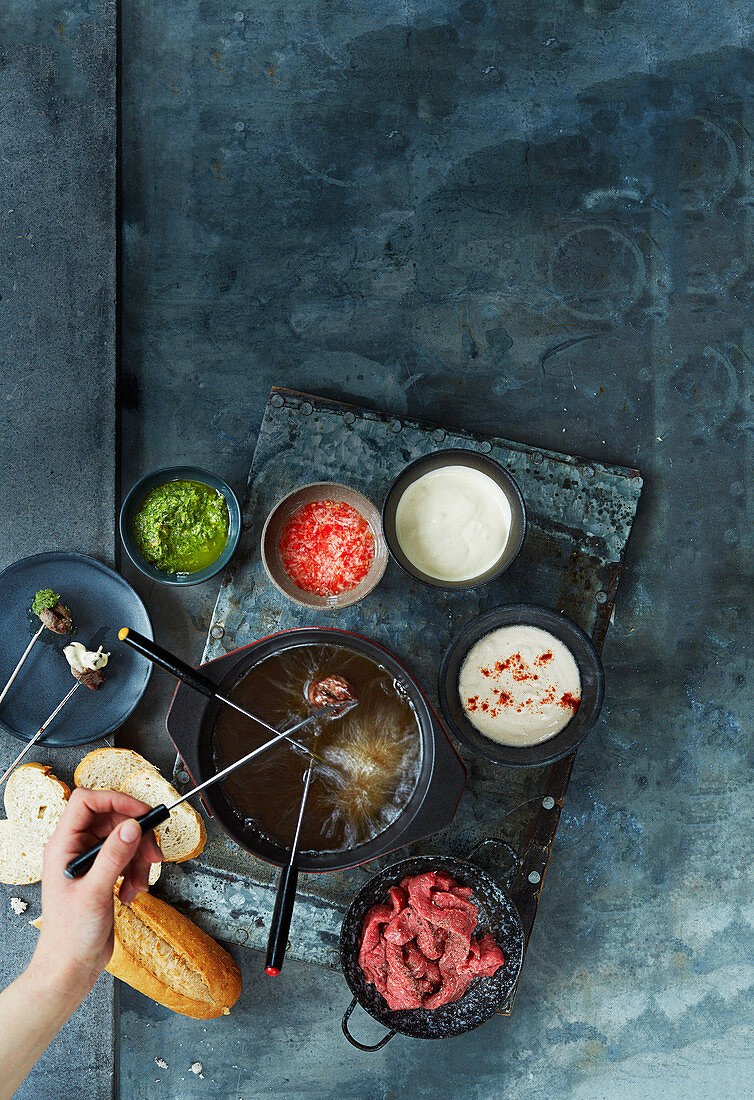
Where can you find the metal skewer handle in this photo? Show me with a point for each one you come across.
(190, 676)
(285, 899)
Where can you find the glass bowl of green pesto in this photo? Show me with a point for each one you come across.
(180, 525)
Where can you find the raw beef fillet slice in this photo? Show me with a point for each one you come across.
(402, 988)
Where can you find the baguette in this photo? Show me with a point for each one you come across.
(107, 769)
(162, 954)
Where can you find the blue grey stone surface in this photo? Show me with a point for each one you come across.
(533, 222)
(57, 383)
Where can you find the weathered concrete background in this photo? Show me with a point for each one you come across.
(57, 381)
(528, 220)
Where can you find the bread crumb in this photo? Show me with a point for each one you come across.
(196, 1067)
(18, 906)
(161, 1063)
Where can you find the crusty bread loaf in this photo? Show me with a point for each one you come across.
(164, 955)
(183, 835)
(34, 802)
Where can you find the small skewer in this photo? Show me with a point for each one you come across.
(39, 733)
(17, 669)
(341, 695)
(154, 817)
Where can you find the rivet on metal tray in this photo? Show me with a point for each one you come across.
(438, 435)
(588, 471)
(241, 935)
(183, 777)
(637, 481)
(348, 418)
(334, 957)
(548, 802)
(600, 597)
(485, 447)
(395, 425)
(217, 631)
(306, 408)
(534, 876)
(277, 400)
(537, 457)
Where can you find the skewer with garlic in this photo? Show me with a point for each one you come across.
(86, 664)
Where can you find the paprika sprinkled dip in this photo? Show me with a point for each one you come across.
(322, 546)
(519, 685)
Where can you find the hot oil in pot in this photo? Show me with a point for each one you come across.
(368, 761)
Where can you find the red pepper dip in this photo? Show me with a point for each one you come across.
(327, 547)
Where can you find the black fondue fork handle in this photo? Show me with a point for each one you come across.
(281, 920)
(148, 821)
(172, 664)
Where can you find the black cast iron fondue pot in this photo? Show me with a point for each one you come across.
(442, 776)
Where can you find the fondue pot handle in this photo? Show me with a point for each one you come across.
(355, 1042)
(503, 844)
(172, 664)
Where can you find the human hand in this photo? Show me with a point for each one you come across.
(76, 941)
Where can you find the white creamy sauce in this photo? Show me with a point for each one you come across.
(82, 659)
(453, 523)
(519, 685)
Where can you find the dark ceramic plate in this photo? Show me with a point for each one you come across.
(101, 602)
(590, 670)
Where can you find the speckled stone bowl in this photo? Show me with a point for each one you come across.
(483, 998)
(282, 512)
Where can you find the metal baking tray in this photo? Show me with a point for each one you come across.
(580, 515)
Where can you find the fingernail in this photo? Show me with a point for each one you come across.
(129, 832)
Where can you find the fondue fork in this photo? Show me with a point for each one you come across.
(18, 667)
(193, 678)
(39, 733)
(81, 864)
(285, 898)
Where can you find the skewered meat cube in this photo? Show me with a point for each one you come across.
(90, 677)
(57, 619)
(330, 690)
(86, 665)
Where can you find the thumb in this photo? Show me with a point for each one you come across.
(117, 852)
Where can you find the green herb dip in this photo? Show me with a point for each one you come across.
(44, 599)
(182, 526)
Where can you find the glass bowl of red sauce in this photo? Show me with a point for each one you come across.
(322, 546)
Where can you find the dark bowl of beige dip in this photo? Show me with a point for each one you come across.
(521, 685)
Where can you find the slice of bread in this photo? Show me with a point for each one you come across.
(34, 802)
(183, 836)
(108, 769)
